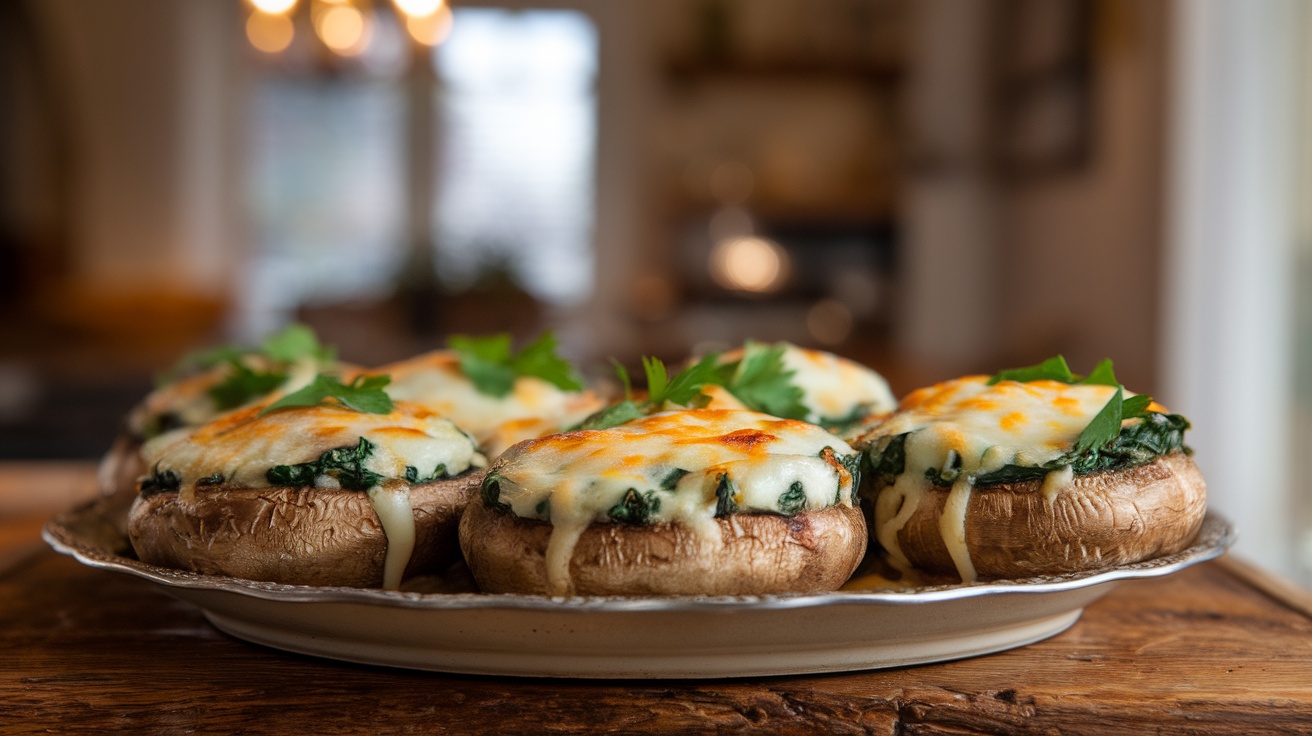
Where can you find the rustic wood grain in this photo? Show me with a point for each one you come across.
(1200, 652)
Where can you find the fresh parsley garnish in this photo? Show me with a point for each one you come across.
(243, 384)
(1105, 427)
(684, 389)
(1052, 369)
(759, 379)
(293, 343)
(762, 382)
(364, 394)
(493, 367)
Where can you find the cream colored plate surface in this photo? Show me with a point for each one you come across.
(684, 637)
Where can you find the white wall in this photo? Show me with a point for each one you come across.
(1226, 322)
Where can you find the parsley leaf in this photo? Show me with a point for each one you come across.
(1136, 407)
(243, 384)
(539, 359)
(201, 360)
(612, 416)
(761, 381)
(294, 343)
(489, 363)
(1105, 427)
(364, 394)
(686, 386)
(1106, 424)
(1102, 375)
(684, 389)
(1052, 369)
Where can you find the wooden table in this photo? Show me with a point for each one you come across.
(1219, 648)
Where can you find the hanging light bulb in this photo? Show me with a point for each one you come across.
(432, 29)
(274, 7)
(342, 28)
(418, 8)
(269, 32)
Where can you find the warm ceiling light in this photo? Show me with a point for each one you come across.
(341, 28)
(269, 33)
(829, 322)
(749, 264)
(275, 7)
(417, 8)
(432, 29)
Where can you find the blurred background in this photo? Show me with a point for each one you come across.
(931, 187)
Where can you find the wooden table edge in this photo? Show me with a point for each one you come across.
(1275, 587)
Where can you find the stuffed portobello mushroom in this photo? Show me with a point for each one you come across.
(206, 384)
(310, 493)
(498, 395)
(688, 502)
(1033, 471)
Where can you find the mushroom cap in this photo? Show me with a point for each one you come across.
(299, 536)
(757, 554)
(1099, 520)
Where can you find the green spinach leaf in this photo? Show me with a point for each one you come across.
(346, 464)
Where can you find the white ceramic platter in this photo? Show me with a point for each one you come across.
(685, 637)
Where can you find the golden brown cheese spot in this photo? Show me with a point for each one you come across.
(979, 404)
(1013, 421)
(1067, 405)
(748, 440)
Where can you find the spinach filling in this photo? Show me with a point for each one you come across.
(793, 500)
(1154, 435)
(160, 481)
(635, 508)
(346, 464)
(490, 492)
(840, 425)
(639, 507)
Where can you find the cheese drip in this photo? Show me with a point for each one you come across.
(672, 467)
(963, 429)
(241, 447)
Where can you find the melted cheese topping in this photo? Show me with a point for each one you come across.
(242, 446)
(984, 428)
(577, 478)
(833, 388)
(532, 409)
(188, 398)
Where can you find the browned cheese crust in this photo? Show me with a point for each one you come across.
(301, 536)
(762, 554)
(1099, 520)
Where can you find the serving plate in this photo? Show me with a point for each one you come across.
(680, 637)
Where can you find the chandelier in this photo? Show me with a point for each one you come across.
(345, 28)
